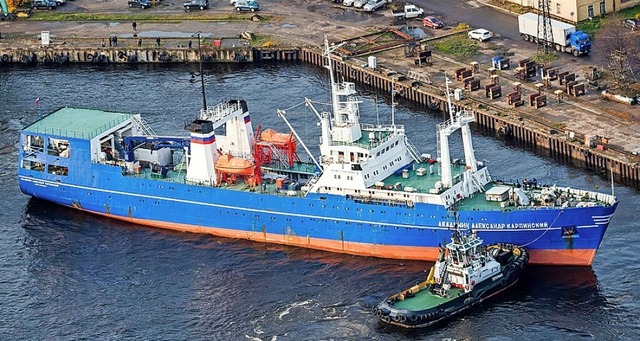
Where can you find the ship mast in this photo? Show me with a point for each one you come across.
(328, 50)
(457, 120)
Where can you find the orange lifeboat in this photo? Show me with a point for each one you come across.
(227, 163)
(271, 135)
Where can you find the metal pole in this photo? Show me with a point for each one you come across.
(204, 96)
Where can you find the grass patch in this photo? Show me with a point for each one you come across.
(262, 41)
(544, 58)
(590, 27)
(510, 6)
(628, 13)
(458, 46)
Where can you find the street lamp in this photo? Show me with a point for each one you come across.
(204, 96)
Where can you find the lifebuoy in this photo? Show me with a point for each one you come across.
(438, 280)
(5, 58)
(233, 56)
(434, 105)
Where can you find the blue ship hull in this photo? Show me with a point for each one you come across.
(325, 222)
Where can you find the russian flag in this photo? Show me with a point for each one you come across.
(247, 119)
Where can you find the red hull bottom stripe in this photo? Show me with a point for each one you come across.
(577, 257)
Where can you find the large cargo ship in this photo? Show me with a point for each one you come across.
(370, 192)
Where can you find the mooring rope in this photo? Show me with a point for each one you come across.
(545, 231)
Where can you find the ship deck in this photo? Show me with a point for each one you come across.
(77, 123)
(420, 184)
(410, 181)
(423, 299)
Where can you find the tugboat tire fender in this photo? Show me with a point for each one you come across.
(414, 318)
(386, 318)
(396, 318)
(403, 318)
(5, 57)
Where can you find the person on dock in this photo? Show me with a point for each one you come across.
(158, 41)
(135, 26)
(190, 44)
(139, 42)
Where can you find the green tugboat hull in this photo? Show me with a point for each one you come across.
(421, 306)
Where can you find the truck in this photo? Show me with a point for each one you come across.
(565, 37)
(408, 11)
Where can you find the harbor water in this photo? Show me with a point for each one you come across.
(68, 275)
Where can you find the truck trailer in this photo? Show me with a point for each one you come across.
(565, 37)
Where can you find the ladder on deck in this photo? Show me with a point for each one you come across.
(415, 154)
(477, 183)
(277, 154)
(146, 129)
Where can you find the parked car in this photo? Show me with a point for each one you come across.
(359, 3)
(373, 5)
(139, 3)
(43, 4)
(633, 24)
(347, 3)
(60, 2)
(232, 2)
(247, 5)
(432, 22)
(196, 4)
(480, 34)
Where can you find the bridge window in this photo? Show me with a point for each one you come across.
(33, 165)
(58, 170)
(33, 143)
(58, 147)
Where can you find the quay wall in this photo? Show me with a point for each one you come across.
(127, 54)
(489, 119)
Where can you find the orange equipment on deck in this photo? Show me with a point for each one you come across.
(273, 147)
(227, 163)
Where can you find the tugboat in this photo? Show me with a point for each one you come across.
(466, 273)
